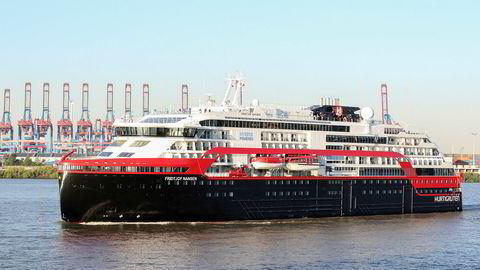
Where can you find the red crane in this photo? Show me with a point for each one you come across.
(25, 125)
(128, 101)
(184, 98)
(6, 128)
(65, 125)
(107, 124)
(84, 125)
(43, 126)
(146, 99)
(98, 131)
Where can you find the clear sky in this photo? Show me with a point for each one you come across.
(292, 52)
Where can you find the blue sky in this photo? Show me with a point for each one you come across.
(292, 52)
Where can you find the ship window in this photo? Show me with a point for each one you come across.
(267, 193)
(105, 154)
(139, 143)
(377, 191)
(215, 194)
(177, 183)
(281, 182)
(300, 182)
(400, 191)
(280, 193)
(217, 182)
(162, 120)
(300, 193)
(156, 131)
(287, 193)
(307, 193)
(209, 194)
(125, 154)
(117, 143)
(224, 182)
(231, 182)
(287, 182)
(268, 182)
(274, 193)
(230, 194)
(370, 192)
(119, 186)
(364, 192)
(274, 182)
(356, 139)
(307, 182)
(272, 125)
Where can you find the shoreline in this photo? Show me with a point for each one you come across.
(41, 179)
(28, 172)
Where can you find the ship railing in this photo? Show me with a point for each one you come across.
(409, 172)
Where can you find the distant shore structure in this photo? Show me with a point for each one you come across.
(87, 136)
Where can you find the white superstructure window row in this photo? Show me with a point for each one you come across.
(162, 120)
(283, 137)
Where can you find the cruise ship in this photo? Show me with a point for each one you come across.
(233, 161)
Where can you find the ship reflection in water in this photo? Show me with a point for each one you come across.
(391, 242)
(33, 237)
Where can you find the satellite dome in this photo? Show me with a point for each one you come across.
(367, 113)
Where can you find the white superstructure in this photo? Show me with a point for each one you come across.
(234, 124)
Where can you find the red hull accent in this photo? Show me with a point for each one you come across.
(198, 166)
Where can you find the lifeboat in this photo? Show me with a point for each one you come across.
(268, 163)
(306, 163)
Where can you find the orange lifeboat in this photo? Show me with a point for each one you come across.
(268, 163)
(302, 163)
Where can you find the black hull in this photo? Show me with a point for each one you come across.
(151, 198)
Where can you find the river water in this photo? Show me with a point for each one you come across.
(33, 237)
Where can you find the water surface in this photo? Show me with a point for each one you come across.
(32, 236)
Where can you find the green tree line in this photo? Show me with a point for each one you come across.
(471, 177)
(13, 161)
(43, 172)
